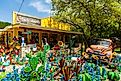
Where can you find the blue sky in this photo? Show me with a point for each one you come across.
(39, 8)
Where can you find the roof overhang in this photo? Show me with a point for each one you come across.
(44, 28)
(2, 30)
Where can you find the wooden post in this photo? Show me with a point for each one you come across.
(64, 38)
(40, 38)
(28, 37)
(7, 39)
(15, 32)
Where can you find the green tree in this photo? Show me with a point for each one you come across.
(4, 24)
(116, 30)
(95, 18)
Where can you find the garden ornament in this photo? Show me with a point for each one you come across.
(60, 43)
(76, 69)
(51, 75)
(61, 66)
(27, 69)
(60, 52)
(23, 43)
(4, 79)
(56, 47)
(113, 76)
(33, 62)
(93, 75)
(41, 69)
(47, 67)
(41, 56)
(34, 74)
(28, 55)
(85, 55)
(83, 77)
(1, 58)
(18, 47)
(66, 73)
(80, 77)
(80, 71)
(91, 71)
(86, 77)
(71, 43)
(46, 48)
(98, 73)
(6, 63)
(62, 78)
(12, 76)
(119, 68)
(104, 75)
(44, 78)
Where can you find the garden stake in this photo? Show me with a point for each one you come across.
(62, 78)
(93, 75)
(80, 77)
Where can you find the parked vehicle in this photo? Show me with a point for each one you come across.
(101, 48)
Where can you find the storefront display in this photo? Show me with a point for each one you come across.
(20, 35)
(2, 39)
(33, 29)
(35, 37)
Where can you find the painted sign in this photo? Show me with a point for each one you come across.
(52, 23)
(19, 18)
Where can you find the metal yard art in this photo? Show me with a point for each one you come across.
(61, 65)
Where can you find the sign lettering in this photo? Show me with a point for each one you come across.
(28, 20)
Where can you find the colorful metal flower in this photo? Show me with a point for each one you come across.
(60, 43)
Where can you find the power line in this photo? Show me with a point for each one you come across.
(21, 5)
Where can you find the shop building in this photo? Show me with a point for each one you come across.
(33, 29)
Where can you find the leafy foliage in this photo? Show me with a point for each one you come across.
(4, 24)
(95, 18)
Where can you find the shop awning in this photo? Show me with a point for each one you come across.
(46, 29)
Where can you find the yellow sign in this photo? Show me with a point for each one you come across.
(20, 18)
(51, 23)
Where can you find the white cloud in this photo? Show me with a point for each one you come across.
(40, 6)
(48, 1)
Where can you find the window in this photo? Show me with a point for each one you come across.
(35, 37)
(10, 37)
(45, 35)
(67, 38)
(20, 37)
(2, 39)
(61, 37)
(53, 40)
